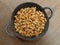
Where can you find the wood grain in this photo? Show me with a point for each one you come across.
(52, 37)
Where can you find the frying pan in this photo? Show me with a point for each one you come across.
(25, 5)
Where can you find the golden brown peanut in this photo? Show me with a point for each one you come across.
(29, 22)
(18, 12)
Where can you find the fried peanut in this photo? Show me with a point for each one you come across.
(29, 22)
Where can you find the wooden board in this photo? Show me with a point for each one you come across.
(52, 37)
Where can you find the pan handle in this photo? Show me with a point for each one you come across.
(9, 29)
(50, 11)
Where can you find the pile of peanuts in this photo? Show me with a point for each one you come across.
(29, 22)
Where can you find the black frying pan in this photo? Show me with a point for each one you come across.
(24, 5)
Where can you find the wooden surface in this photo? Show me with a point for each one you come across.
(52, 37)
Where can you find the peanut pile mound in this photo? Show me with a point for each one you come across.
(29, 22)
